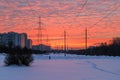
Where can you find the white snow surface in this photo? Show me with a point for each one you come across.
(60, 67)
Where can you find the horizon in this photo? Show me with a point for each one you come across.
(100, 17)
(61, 47)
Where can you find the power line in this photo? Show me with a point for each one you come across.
(106, 16)
(40, 24)
(32, 9)
(84, 5)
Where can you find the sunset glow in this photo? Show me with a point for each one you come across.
(101, 17)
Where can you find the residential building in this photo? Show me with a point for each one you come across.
(14, 39)
(41, 47)
(23, 39)
(29, 44)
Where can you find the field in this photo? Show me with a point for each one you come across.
(60, 67)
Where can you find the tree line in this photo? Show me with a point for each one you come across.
(111, 49)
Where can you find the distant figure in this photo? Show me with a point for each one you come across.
(64, 54)
(49, 57)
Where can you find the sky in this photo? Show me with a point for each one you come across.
(100, 17)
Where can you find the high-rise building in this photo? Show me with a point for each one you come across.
(14, 39)
(23, 41)
(17, 40)
(3, 39)
(29, 43)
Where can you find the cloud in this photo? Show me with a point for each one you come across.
(23, 14)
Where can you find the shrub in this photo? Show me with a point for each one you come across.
(18, 56)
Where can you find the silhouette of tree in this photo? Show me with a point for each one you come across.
(18, 56)
(116, 41)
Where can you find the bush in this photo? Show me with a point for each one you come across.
(18, 57)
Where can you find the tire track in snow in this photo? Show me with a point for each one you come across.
(95, 66)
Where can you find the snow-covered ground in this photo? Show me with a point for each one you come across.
(60, 67)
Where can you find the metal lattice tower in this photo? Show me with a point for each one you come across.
(40, 31)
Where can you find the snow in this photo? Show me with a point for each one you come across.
(60, 67)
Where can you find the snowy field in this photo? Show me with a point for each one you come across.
(60, 67)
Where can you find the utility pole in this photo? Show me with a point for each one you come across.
(65, 42)
(86, 38)
(48, 42)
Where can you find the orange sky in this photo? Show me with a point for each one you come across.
(101, 17)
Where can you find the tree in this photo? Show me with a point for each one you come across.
(18, 56)
(116, 41)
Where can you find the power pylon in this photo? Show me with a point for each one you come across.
(40, 31)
